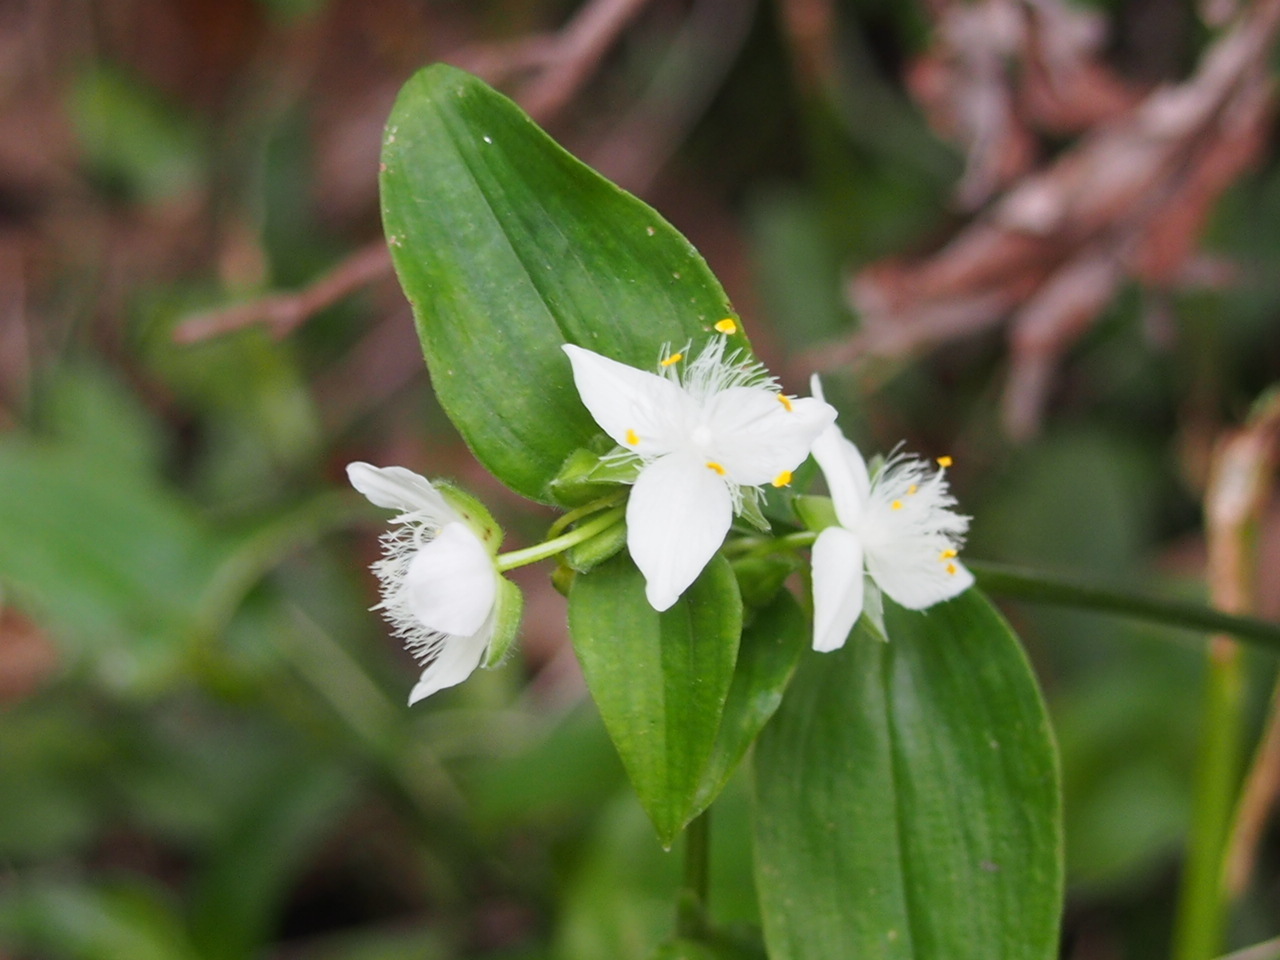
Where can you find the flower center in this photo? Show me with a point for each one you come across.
(701, 436)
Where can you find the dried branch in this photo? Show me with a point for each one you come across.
(1128, 201)
(1251, 456)
(283, 312)
(577, 51)
(566, 58)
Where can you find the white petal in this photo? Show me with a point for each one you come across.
(815, 386)
(837, 587)
(639, 410)
(677, 517)
(757, 436)
(397, 488)
(846, 474)
(450, 584)
(457, 660)
(917, 580)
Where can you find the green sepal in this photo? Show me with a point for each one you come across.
(751, 511)
(588, 475)
(873, 610)
(816, 513)
(508, 607)
(589, 554)
(760, 578)
(474, 513)
(562, 578)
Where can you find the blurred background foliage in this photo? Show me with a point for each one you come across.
(204, 751)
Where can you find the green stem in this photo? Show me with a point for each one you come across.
(557, 545)
(1061, 591)
(788, 543)
(1202, 911)
(573, 516)
(691, 902)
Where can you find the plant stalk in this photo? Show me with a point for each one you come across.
(1067, 592)
(691, 902)
(558, 545)
(1238, 488)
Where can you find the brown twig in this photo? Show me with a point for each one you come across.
(567, 58)
(1127, 201)
(283, 312)
(1253, 452)
(578, 49)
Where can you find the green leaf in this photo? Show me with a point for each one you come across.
(507, 247)
(131, 138)
(770, 649)
(907, 798)
(106, 556)
(244, 882)
(122, 919)
(659, 679)
(716, 949)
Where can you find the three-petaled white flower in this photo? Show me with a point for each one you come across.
(705, 436)
(898, 525)
(437, 578)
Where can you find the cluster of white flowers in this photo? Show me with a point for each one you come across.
(706, 434)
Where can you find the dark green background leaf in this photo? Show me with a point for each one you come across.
(908, 799)
(507, 247)
(659, 679)
(771, 646)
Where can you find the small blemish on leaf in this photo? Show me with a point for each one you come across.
(487, 139)
(649, 230)
(676, 275)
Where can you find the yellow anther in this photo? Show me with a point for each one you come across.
(896, 505)
(947, 555)
(912, 489)
(674, 358)
(951, 569)
(944, 461)
(712, 465)
(783, 479)
(632, 437)
(786, 402)
(727, 326)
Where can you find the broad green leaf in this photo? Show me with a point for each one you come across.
(104, 554)
(907, 798)
(770, 648)
(717, 949)
(122, 919)
(659, 679)
(507, 247)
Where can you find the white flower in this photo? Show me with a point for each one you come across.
(899, 525)
(438, 580)
(706, 433)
